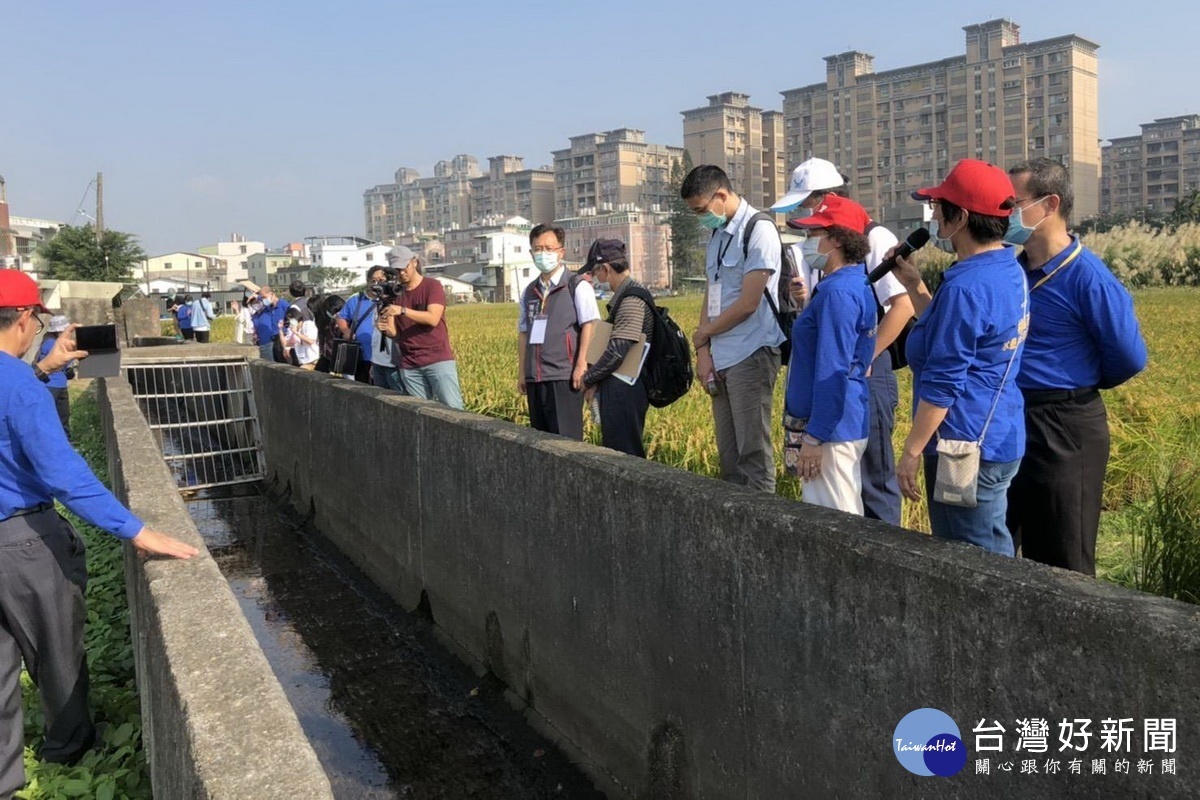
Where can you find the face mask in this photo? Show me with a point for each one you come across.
(815, 260)
(712, 221)
(1018, 232)
(801, 213)
(545, 262)
(946, 245)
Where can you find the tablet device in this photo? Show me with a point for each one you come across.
(104, 359)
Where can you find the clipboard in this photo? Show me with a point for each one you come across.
(631, 366)
(250, 285)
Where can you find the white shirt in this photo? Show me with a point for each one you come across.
(305, 353)
(586, 308)
(243, 329)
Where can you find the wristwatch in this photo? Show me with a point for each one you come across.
(41, 374)
(811, 440)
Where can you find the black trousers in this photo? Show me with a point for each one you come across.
(43, 575)
(62, 404)
(623, 415)
(202, 336)
(1054, 500)
(554, 407)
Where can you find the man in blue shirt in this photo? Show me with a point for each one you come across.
(1083, 336)
(43, 570)
(202, 317)
(737, 341)
(267, 316)
(58, 380)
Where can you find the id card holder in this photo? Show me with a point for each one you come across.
(537, 333)
(714, 300)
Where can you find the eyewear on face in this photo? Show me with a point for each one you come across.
(702, 211)
(1027, 201)
(41, 325)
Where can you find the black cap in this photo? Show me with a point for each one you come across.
(603, 251)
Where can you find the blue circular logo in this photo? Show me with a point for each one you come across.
(927, 742)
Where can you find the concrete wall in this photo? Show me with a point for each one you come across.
(687, 638)
(216, 723)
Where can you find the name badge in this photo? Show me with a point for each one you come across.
(714, 300)
(537, 333)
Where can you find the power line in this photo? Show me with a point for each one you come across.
(79, 205)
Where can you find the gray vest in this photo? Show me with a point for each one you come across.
(555, 358)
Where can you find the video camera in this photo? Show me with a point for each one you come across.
(389, 289)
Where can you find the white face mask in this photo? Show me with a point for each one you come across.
(815, 259)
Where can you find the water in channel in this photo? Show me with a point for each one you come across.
(390, 712)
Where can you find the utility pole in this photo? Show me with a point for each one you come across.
(99, 207)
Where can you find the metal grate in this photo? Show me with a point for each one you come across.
(204, 418)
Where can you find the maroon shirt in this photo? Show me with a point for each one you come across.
(420, 345)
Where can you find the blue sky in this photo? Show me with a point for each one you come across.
(270, 118)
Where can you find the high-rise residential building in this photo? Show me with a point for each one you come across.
(1154, 170)
(510, 190)
(741, 139)
(613, 170)
(1003, 101)
(413, 204)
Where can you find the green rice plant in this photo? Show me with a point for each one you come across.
(1165, 536)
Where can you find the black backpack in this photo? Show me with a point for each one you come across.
(668, 372)
(782, 305)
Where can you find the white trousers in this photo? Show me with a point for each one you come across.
(839, 485)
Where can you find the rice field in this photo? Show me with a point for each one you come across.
(1151, 417)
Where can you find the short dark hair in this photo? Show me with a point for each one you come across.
(375, 269)
(704, 180)
(1047, 176)
(548, 227)
(206, 295)
(854, 245)
(984, 228)
(9, 317)
(188, 298)
(297, 289)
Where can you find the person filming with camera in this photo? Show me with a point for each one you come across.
(416, 321)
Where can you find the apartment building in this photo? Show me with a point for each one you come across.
(612, 170)
(646, 235)
(412, 204)
(1154, 170)
(509, 189)
(745, 141)
(1002, 101)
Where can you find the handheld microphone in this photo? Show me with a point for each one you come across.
(915, 241)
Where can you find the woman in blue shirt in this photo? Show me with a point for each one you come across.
(183, 316)
(965, 353)
(57, 382)
(833, 340)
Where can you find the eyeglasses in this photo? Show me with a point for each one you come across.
(34, 315)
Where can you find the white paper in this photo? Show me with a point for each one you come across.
(537, 334)
(714, 300)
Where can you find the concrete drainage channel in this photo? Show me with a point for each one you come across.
(387, 710)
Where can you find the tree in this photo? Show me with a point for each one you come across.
(1187, 209)
(330, 278)
(75, 255)
(687, 243)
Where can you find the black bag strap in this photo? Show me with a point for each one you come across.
(359, 321)
(639, 292)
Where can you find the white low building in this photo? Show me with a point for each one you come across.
(332, 254)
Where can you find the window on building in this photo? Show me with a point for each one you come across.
(243, 249)
(167, 265)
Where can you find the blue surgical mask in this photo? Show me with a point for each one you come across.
(816, 260)
(545, 262)
(801, 213)
(1018, 232)
(946, 245)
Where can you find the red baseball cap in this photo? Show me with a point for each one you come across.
(976, 186)
(835, 210)
(18, 290)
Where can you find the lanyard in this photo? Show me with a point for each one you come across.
(1056, 270)
(721, 257)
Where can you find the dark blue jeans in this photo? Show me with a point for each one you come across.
(983, 526)
(880, 488)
